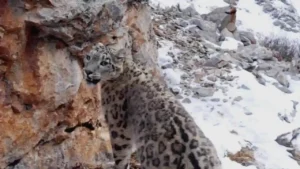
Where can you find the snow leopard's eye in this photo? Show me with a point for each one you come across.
(88, 57)
(104, 63)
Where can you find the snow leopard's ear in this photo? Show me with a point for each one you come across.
(119, 54)
(99, 46)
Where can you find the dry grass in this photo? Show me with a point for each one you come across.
(245, 156)
(284, 48)
(133, 162)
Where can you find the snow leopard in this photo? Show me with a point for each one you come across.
(144, 116)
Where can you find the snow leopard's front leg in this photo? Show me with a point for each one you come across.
(121, 137)
(122, 147)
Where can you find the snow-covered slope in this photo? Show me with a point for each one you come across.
(251, 16)
(242, 112)
(247, 114)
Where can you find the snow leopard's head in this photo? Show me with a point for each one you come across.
(102, 63)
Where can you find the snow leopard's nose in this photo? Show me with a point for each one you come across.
(88, 73)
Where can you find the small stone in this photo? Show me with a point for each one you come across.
(245, 87)
(184, 76)
(215, 100)
(186, 100)
(212, 62)
(166, 66)
(212, 78)
(199, 76)
(179, 97)
(188, 92)
(183, 23)
(261, 81)
(264, 66)
(222, 64)
(259, 78)
(295, 103)
(207, 84)
(227, 78)
(282, 79)
(248, 113)
(234, 132)
(171, 54)
(203, 92)
(225, 100)
(282, 88)
(238, 98)
(175, 90)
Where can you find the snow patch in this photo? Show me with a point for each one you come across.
(230, 44)
(296, 4)
(261, 128)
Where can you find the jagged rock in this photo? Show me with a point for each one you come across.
(190, 11)
(256, 52)
(203, 25)
(247, 38)
(291, 140)
(49, 116)
(77, 20)
(285, 139)
(194, 31)
(217, 15)
(144, 49)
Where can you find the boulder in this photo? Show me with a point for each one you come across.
(247, 38)
(217, 15)
(256, 52)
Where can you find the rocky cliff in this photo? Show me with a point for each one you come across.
(49, 117)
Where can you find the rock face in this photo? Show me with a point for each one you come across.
(49, 117)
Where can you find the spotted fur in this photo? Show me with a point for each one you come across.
(143, 114)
